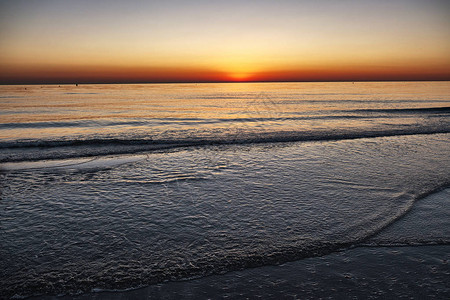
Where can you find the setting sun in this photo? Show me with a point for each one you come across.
(240, 77)
(100, 41)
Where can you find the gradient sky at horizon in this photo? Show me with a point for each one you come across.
(51, 41)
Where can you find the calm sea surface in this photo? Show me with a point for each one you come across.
(123, 186)
(128, 118)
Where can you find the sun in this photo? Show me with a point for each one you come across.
(238, 68)
(240, 76)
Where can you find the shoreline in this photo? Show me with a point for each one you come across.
(366, 270)
(412, 272)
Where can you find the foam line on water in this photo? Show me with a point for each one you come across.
(62, 149)
(75, 164)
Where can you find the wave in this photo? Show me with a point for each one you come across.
(168, 121)
(208, 266)
(72, 124)
(11, 97)
(304, 116)
(442, 186)
(60, 149)
(359, 101)
(407, 229)
(314, 248)
(444, 109)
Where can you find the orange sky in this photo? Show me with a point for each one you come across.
(201, 41)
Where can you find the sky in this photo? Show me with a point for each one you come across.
(100, 41)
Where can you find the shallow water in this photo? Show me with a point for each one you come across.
(241, 184)
(426, 224)
(360, 273)
(208, 210)
(405, 271)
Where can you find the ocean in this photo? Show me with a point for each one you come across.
(225, 190)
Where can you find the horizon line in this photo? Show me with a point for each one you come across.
(224, 81)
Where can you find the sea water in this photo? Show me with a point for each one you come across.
(110, 187)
